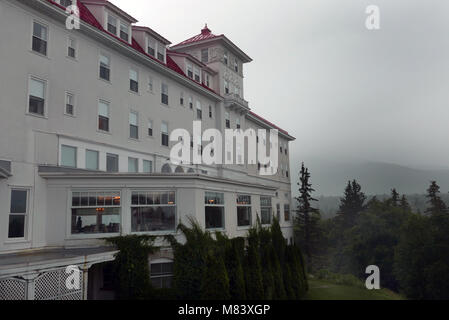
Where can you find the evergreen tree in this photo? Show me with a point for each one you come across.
(395, 201)
(307, 220)
(404, 205)
(233, 261)
(215, 281)
(437, 206)
(352, 203)
(253, 268)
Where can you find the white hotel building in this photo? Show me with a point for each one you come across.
(85, 121)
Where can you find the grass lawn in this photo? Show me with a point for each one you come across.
(323, 290)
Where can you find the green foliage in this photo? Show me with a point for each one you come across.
(215, 282)
(352, 203)
(132, 279)
(253, 268)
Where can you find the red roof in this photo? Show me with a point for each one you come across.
(205, 34)
(89, 18)
(268, 122)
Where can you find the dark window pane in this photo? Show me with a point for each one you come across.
(18, 201)
(103, 123)
(71, 52)
(148, 219)
(133, 132)
(160, 56)
(95, 220)
(112, 163)
(124, 36)
(133, 85)
(104, 73)
(214, 217)
(243, 216)
(40, 46)
(151, 51)
(36, 105)
(112, 29)
(16, 226)
(165, 140)
(164, 98)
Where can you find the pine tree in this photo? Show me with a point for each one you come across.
(352, 203)
(307, 217)
(404, 205)
(437, 206)
(395, 198)
(215, 281)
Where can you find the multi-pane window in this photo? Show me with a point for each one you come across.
(162, 275)
(150, 128)
(111, 162)
(71, 48)
(133, 165)
(190, 102)
(210, 112)
(18, 214)
(112, 24)
(199, 111)
(151, 47)
(205, 55)
(237, 123)
(36, 96)
(160, 53)
(124, 32)
(236, 65)
(153, 211)
(133, 80)
(103, 116)
(164, 134)
(226, 86)
(196, 73)
(207, 80)
(214, 210)
(190, 71)
(147, 166)
(105, 68)
(278, 212)
(265, 210)
(92, 160)
(243, 210)
(286, 212)
(40, 38)
(150, 84)
(133, 126)
(227, 120)
(69, 104)
(164, 93)
(95, 212)
(68, 156)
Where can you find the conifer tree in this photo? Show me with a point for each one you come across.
(215, 281)
(437, 205)
(395, 201)
(404, 205)
(352, 203)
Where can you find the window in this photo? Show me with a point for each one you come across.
(133, 126)
(197, 76)
(65, 3)
(111, 162)
(71, 48)
(68, 156)
(95, 212)
(153, 211)
(18, 214)
(190, 71)
(40, 37)
(105, 68)
(69, 104)
(225, 58)
(227, 120)
(151, 46)
(164, 134)
(237, 123)
(210, 112)
(133, 81)
(150, 84)
(103, 116)
(204, 55)
(265, 210)
(191, 102)
(162, 275)
(278, 212)
(133, 165)
(207, 80)
(236, 65)
(124, 32)
(286, 212)
(226, 86)
(243, 211)
(164, 94)
(36, 96)
(112, 24)
(214, 210)
(161, 52)
(199, 111)
(150, 128)
(92, 160)
(147, 166)
(181, 99)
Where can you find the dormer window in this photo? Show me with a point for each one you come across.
(161, 53)
(207, 80)
(112, 24)
(205, 55)
(197, 74)
(225, 58)
(236, 65)
(124, 32)
(65, 3)
(190, 71)
(151, 47)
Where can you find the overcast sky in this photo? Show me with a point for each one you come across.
(340, 89)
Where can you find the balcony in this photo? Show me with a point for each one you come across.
(233, 100)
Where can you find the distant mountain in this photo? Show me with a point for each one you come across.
(329, 177)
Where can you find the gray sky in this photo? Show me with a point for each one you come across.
(342, 90)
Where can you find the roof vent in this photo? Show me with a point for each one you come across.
(205, 30)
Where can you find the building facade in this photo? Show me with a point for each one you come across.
(86, 117)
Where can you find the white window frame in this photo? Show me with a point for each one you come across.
(27, 221)
(107, 103)
(76, 156)
(67, 94)
(166, 133)
(108, 56)
(137, 164)
(72, 39)
(46, 25)
(98, 159)
(136, 114)
(215, 205)
(45, 82)
(151, 166)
